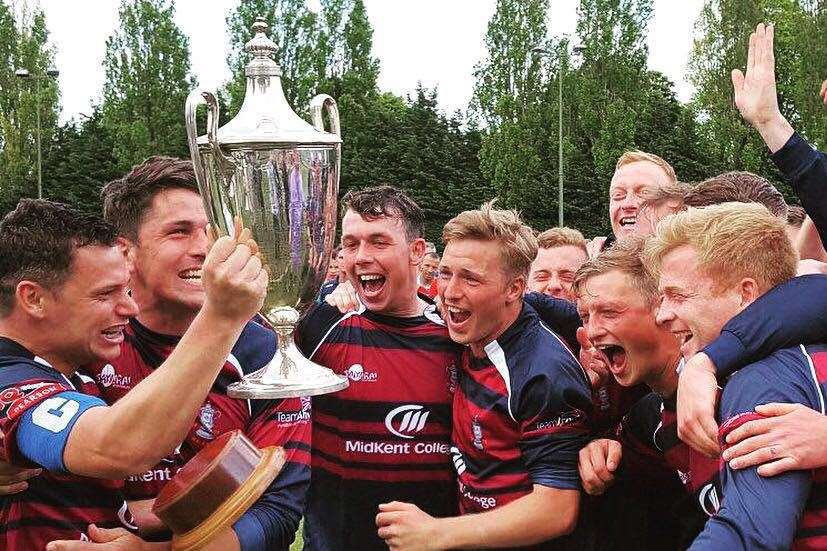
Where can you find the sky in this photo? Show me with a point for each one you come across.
(435, 42)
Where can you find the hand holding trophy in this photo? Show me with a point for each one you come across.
(280, 175)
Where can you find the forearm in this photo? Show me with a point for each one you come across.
(525, 521)
(148, 422)
(775, 132)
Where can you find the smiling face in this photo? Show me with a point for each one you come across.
(552, 272)
(168, 256)
(91, 309)
(428, 269)
(631, 185)
(479, 298)
(621, 324)
(691, 308)
(381, 263)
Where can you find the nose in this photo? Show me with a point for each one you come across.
(449, 288)
(594, 329)
(127, 307)
(554, 287)
(665, 313)
(362, 255)
(199, 244)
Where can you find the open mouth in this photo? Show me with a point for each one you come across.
(683, 337)
(192, 276)
(113, 334)
(628, 222)
(458, 315)
(615, 355)
(372, 283)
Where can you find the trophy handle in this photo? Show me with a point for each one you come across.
(317, 105)
(194, 99)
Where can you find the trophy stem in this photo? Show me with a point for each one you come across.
(289, 374)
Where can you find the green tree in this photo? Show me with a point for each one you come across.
(722, 35)
(79, 161)
(147, 67)
(23, 44)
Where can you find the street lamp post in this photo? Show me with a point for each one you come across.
(543, 51)
(51, 72)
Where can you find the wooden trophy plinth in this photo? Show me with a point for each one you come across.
(215, 488)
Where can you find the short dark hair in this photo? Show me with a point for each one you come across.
(739, 187)
(126, 200)
(795, 215)
(37, 243)
(386, 201)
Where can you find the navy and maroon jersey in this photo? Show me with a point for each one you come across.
(653, 454)
(38, 408)
(387, 436)
(786, 511)
(283, 423)
(520, 417)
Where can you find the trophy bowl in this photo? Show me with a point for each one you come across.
(280, 175)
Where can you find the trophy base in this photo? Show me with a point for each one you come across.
(305, 378)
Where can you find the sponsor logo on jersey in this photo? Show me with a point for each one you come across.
(161, 474)
(207, 417)
(484, 502)
(567, 418)
(459, 461)
(452, 377)
(31, 395)
(709, 499)
(292, 417)
(476, 430)
(405, 421)
(109, 377)
(357, 374)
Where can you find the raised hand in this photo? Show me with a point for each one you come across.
(755, 92)
(697, 393)
(234, 278)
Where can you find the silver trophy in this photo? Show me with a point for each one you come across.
(281, 176)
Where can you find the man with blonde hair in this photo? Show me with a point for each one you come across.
(712, 263)
(637, 176)
(561, 251)
(519, 411)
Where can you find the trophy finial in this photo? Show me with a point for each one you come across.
(263, 50)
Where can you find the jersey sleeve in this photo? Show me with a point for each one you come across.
(790, 313)
(272, 521)
(806, 170)
(37, 413)
(759, 512)
(554, 426)
(314, 325)
(560, 315)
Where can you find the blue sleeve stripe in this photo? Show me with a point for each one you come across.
(44, 430)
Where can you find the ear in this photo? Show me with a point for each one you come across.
(129, 249)
(31, 298)
(749, 291)
(515, 289)
(417, 251)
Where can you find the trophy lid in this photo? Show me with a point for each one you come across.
(265, 117)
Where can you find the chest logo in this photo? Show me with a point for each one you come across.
(476, 430)
(357, 374)
(709, 500)
(109, 377)
(207, 417)
(405, 421)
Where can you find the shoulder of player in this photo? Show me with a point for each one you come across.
(16, 370)
(786, 375)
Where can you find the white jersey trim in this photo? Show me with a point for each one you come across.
(496, 354)
(237, 365)
(814, 376)
(350, 314)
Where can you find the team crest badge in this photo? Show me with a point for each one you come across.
(476, 430)
(206, 417)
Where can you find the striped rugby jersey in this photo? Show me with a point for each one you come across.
(387, 436)
(55, 505)
(520, 417)
(786, 511)
(267, 423)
